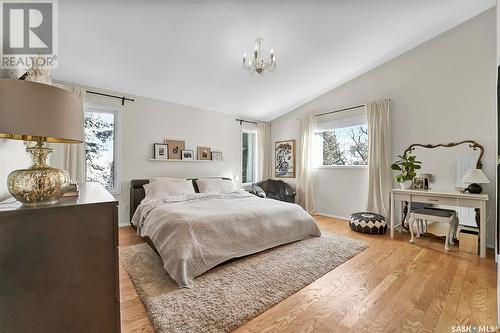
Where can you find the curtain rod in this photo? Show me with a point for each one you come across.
(123, 98)
(241, 121)
(340, 110)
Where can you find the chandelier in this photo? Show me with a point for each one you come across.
(257, 64)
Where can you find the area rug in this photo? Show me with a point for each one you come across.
(231, 294)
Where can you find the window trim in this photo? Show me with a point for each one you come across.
(254, 132)
(115, 110)
(338, 166)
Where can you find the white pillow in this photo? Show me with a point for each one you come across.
(162, 188)
(215, 185)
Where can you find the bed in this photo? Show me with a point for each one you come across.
(196, 232)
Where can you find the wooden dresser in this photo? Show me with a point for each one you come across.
(59, 265)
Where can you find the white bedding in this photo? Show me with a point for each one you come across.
(194, 233)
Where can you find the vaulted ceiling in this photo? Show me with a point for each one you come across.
(189, 52)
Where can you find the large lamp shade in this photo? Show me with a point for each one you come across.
(475, 176)
(32, 111)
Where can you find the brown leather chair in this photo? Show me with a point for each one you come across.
(278, 190)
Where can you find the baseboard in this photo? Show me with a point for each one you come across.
(333, 216)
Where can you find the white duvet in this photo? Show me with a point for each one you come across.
(194, 233)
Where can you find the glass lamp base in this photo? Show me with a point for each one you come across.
(40, 184)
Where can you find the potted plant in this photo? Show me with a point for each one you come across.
(406, 165)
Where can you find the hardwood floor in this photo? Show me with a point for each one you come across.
(393, 286)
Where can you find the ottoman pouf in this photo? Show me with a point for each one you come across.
(368, 223)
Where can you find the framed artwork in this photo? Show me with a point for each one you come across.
(420, 183)
(284, 159)
(204, 153)
(160, 151)
(216, 156)
(187, 155)
(175, 149)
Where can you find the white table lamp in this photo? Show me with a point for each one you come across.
(474, 177)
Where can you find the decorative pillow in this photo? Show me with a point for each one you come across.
(255, 190)
(162, 188)
(215, 185)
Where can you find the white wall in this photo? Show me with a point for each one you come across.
(12, 157)
(442, 91)
(147, 121)
(346, 195)
(498, 35)
(142, 123)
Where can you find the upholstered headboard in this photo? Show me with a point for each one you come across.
(137, 191)
(136, 194)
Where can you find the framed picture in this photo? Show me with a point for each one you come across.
(187, 155)
(175, 149)
(204, 153)
(284, 159)
(216, 156)
(160, 151)
(420, 183)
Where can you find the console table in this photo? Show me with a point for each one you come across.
(444, 198)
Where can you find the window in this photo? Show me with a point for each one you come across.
(248, 162)
(344, 145)
(101, 137)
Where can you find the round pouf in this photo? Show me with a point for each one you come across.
(368, 223)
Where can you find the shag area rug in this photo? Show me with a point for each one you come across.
(231, 294)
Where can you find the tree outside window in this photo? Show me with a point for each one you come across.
(345, 146)
(100, 150)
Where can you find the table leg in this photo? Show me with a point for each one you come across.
(407, 215)
(393, 215)
(482, 230)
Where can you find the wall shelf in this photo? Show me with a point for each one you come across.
(171, 160)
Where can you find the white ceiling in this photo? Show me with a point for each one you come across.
(189, 52)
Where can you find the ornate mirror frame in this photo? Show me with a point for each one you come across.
(473, 144)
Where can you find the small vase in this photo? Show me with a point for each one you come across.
(406, 185)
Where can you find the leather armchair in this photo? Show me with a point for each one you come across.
(278, 190)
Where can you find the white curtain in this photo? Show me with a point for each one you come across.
(263, 143)
(74, 154)
(305, 184)
(379, 157)
(71, 156)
